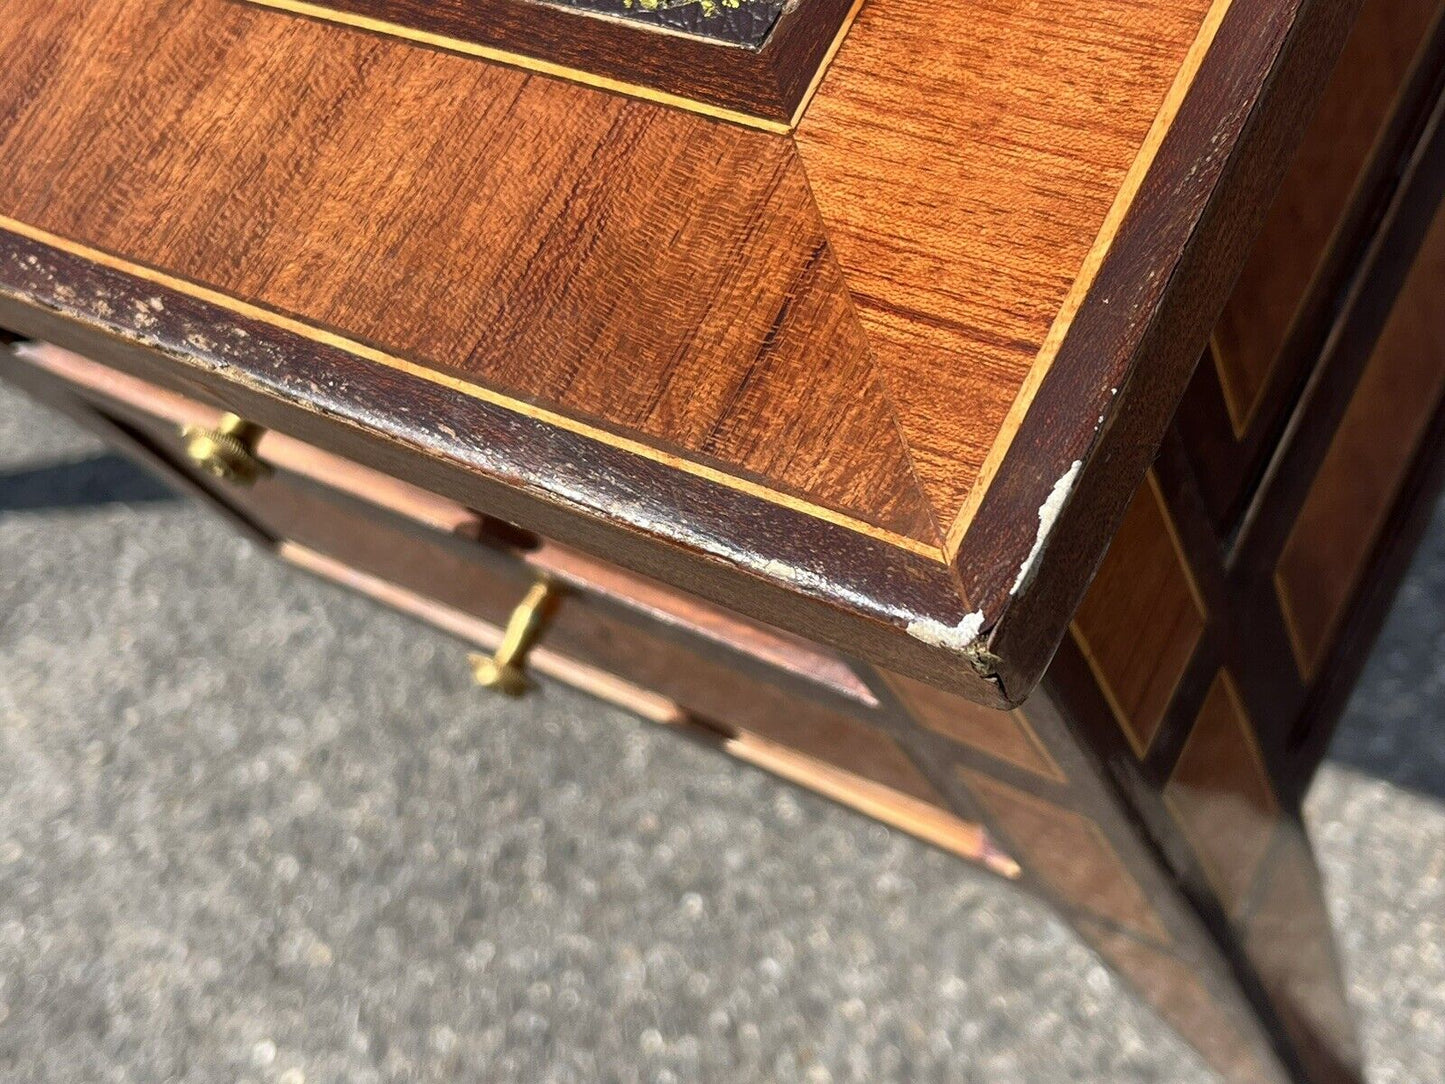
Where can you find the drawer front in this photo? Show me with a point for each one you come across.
(302, 490)
(763, 695)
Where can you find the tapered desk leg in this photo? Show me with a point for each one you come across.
(1150, 789)
(1245, 972)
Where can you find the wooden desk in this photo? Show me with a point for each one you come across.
(1008, 420)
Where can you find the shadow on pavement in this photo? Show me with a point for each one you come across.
(1394, 727)
(89, 483)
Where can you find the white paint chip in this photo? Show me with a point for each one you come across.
(1048, 514)
(958, 637)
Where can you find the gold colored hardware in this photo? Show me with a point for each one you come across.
(504, 670)
(227, 452)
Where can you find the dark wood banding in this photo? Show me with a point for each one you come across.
(1072, 853)
(1324, 558)
(1221, 794)
(1315, 244)
(1003, 735)
(1314, 196)
(1132, 347)
(494, 459)
(766, 78)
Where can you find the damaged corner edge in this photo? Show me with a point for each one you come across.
(1048, 515)
(964, 639)
(969, 639)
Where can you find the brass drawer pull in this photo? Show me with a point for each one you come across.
(227, 452)
(505, 670)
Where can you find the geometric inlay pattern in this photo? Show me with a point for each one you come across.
(1221, 796)
(1351, 497)
(1177, 995)
(1068, 852)
(1142, 618)
(1002, 734)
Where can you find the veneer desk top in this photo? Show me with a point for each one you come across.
(895, 365)
(912, 361)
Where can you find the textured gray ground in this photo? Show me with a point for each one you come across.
(253, 829)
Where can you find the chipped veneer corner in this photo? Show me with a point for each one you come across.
(959, 638)
(967, 637)
(1048, 516)
(964, 639)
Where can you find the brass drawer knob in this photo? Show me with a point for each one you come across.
(227, 452)
(505, 669)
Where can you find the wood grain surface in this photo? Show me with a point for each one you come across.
(764, 85)
(1142, 618)
(966, 191)
(1324, 558)
(890, 376)
(614, 259)
(1146, 319)
(902, 323)
(1004, 735)
(1221, 794)
(1315, 245)
(1069, 850)
(1314, 196)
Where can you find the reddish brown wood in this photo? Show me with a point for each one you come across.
(1175, 991)
(653, 297)
(1314, 195)
(1143, 618)
(1071, 853)
(890, 381)
(1323, 561)
(1340, 190)
(1221, 794)
(1215, 194)
(964, 196)
(684, 329)
(495, 459)
(1005, 736)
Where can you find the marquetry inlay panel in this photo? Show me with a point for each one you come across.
(1142, 618)
(1174, 991)
(1006, 735)
(1069, 853)
(1221, 795)
(1329, 547)
(1314, 197)
(796, 341)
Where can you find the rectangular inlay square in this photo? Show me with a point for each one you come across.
(1174, 990)
(1140, 622)
(1329, 547)
(1069, 852)
(1002, 734)
(1221, 795)
(1313, 199)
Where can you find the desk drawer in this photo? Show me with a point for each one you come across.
(760, 694)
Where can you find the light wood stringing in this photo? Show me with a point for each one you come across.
(1328, 548)
(1142, 618)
